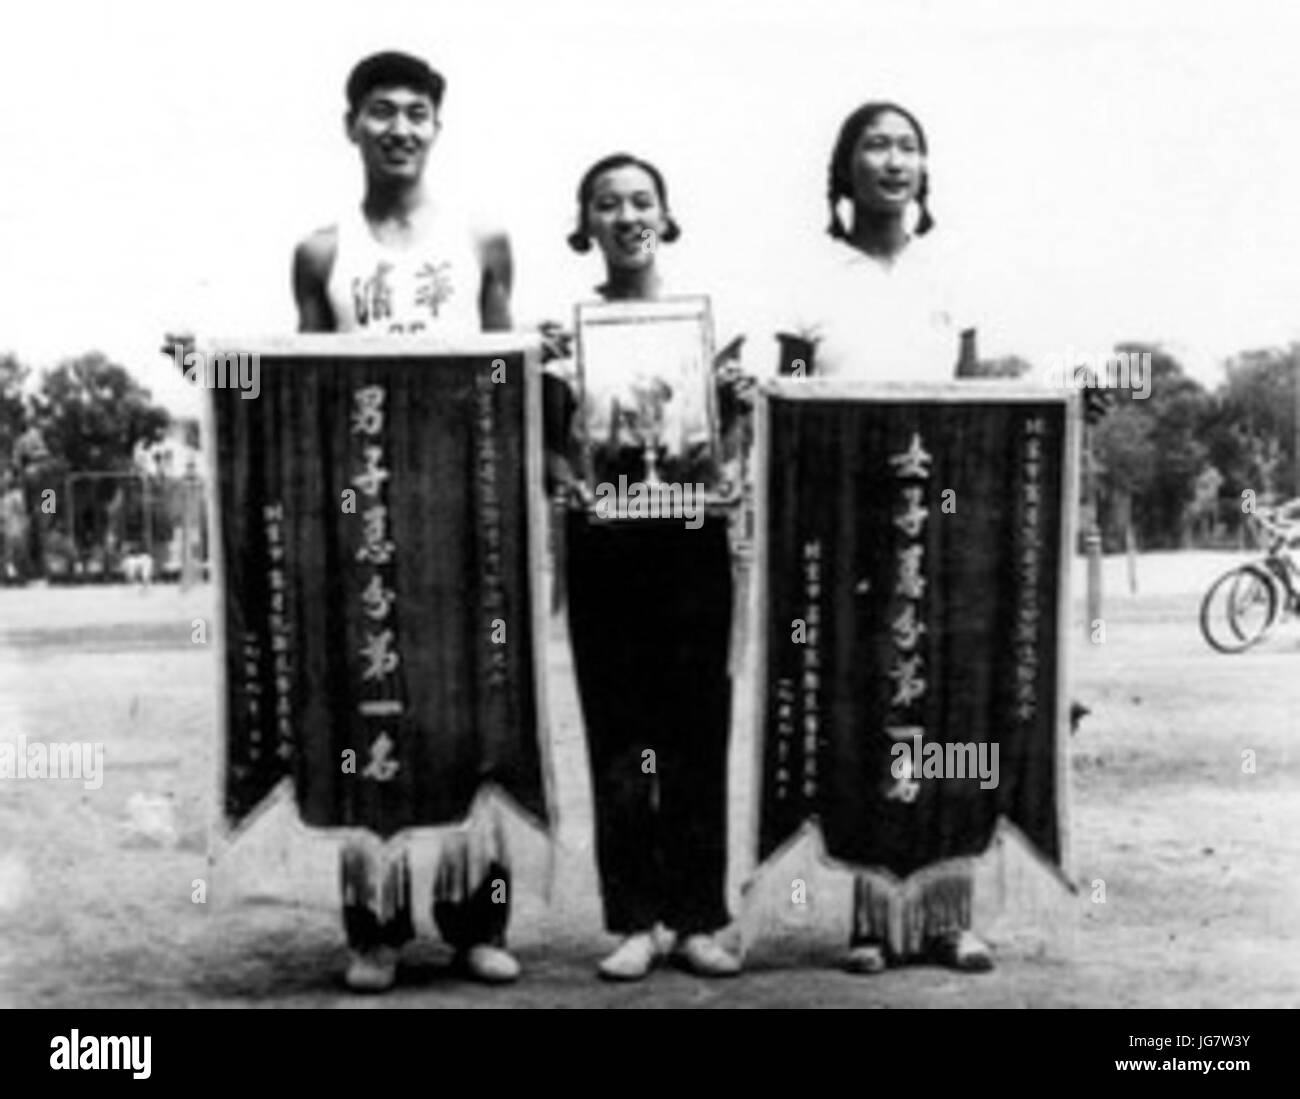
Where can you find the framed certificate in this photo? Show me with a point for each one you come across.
(647, 401)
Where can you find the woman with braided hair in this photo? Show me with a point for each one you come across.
(882, 306)
(881, 309)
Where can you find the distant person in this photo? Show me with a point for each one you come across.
(14, 529)
(137, 566)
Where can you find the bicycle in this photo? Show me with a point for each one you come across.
(1244, 603)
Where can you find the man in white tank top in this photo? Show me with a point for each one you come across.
(404, 264)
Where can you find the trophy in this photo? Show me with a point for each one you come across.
(651, 396)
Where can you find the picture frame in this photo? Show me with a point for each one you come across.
(647, 400)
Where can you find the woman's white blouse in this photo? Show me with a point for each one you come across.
(876, 321)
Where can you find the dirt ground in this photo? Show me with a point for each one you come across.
(1200, 861)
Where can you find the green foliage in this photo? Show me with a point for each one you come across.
(1123, 453)
(1255, 437)
(92, 413)
(1163, 452)
(13, 409)
(86, 415)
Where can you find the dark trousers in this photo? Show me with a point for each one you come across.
(650, 621)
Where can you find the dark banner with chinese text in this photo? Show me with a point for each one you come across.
(378, 599)
(911, 684)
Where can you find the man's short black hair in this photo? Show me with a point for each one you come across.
(393, 70)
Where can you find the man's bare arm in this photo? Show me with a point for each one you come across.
(498, 279)
(313, 260)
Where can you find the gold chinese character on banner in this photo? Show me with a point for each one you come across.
(904, 732)
(914, 461)
(910, 581)
(908, 628)
(376, 548)
(377, 600)
(913, 519)
(378, 654)
(369, 479)
(381, 767)
(368, 411)
(908, 684)
(905, 787)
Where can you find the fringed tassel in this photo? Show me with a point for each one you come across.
(872, 902)
(559, 551)
(906, 917)
(472, 886)
(939, 905)
(376, 895)
(738, 641)
(740, 538)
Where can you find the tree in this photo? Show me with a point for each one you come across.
(1151, 449)
(91, 414)
(1124, 460)
(1179, 406)
(13, 409)
(1256, 426)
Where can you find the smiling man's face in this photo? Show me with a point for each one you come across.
(394, 128)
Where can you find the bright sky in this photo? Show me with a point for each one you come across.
(1117, 169)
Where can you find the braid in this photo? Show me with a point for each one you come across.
(925, 223)
(836, 227)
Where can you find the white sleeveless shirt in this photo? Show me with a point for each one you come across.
(430, 287)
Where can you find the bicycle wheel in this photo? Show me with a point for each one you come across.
(1239, 608)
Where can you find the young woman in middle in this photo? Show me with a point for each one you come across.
(650, 617)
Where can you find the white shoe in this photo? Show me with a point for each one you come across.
(372, 970)
(490, 964)
(704, 956)
(868, 958)
(633, 959)
(962, 950)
